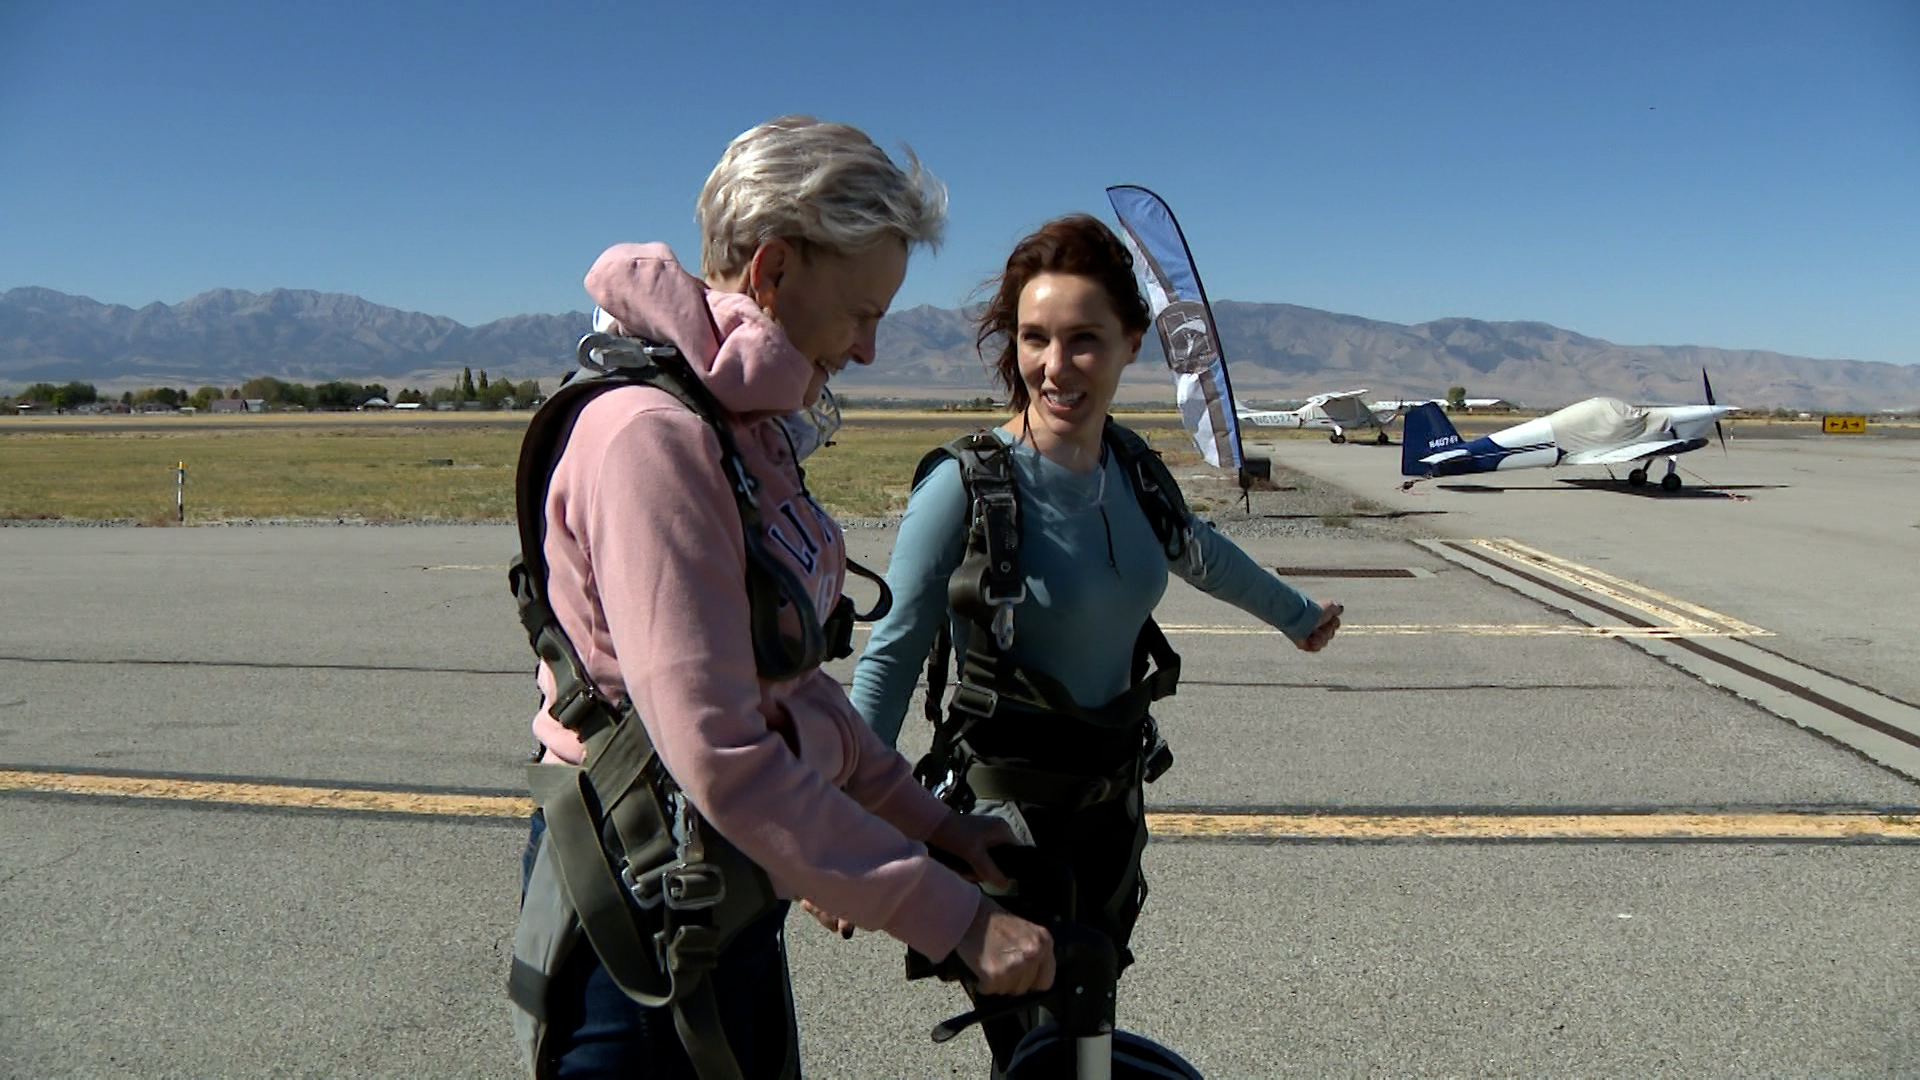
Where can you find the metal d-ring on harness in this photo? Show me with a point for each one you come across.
(985, 588)
(657, 894)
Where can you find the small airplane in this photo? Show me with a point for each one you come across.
(1340, 413)
(1597, 431)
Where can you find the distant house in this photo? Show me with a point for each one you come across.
(227, 405)
(155, 407)
(255, 404)
(376, 404)
(407, 405)
(473, 406)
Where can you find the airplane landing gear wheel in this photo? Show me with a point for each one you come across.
(1336, 438)
(1382, 440)
(1636, 478)
(1670, 482)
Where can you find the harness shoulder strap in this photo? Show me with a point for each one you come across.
(1153, 486)
(988, 581)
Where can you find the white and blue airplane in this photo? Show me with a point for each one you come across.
(1340, 413)
(1597, 431)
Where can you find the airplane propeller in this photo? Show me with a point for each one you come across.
(1717, 429)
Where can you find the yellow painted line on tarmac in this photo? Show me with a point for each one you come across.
(1619, 589)
(1171, 824)
(1597, 588)
(280, 796)
(1703, 826)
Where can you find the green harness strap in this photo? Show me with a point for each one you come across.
(632, 852)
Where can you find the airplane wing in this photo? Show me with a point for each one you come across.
(1347, 408)
(1322, 399)
(1620, 455)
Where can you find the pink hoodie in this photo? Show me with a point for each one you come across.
(647, 570)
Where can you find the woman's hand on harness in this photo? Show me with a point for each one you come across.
(1007, 954)
(969, 836)
(843, 927)
(1323, 630)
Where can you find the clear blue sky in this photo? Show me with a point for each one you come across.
(1744, 175)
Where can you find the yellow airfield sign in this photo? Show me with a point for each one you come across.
(1843, 425)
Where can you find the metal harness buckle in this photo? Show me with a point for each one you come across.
(645, 886)
(1002, 625)
(978, 700)
(693, 887)
(572, 710)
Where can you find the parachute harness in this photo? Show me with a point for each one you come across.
(657, 894)
(985, 590)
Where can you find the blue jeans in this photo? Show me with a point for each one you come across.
(596, 1030)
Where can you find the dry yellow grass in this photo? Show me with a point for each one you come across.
(380, 468)
(251, 471)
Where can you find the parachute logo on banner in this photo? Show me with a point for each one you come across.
(1180, 313)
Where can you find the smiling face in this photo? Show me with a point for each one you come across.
(829, 305)
(1071, 350)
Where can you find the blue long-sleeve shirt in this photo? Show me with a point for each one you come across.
(1094, 572)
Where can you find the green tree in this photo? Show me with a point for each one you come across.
(1456, 397)
(203, 398)
(335, 395)
(483, 380)
(70, 396)
(161, 395)
(265, 388)
(527, 391)
(466, 383)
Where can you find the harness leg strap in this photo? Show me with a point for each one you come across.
(696, 1017)
(597, 896)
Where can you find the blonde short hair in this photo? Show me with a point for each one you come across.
(821, 185)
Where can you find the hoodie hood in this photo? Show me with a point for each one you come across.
(742, 355)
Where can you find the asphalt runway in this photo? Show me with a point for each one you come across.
(1453, 904)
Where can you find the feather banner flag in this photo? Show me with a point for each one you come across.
(1185, 321)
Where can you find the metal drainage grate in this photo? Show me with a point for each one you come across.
(1344, 571)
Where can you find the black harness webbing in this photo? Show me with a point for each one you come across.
(657, 893)
(987, 586)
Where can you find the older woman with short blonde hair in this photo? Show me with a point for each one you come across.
(805, 232)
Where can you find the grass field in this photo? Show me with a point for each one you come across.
(361, 467)
(380, 469)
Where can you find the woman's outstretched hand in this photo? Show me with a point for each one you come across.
(1007, 954)
(969, 836)
(1323, 630)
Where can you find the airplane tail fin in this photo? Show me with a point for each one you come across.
(1425, 430)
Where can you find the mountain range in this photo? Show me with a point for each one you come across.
(1275, 351)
